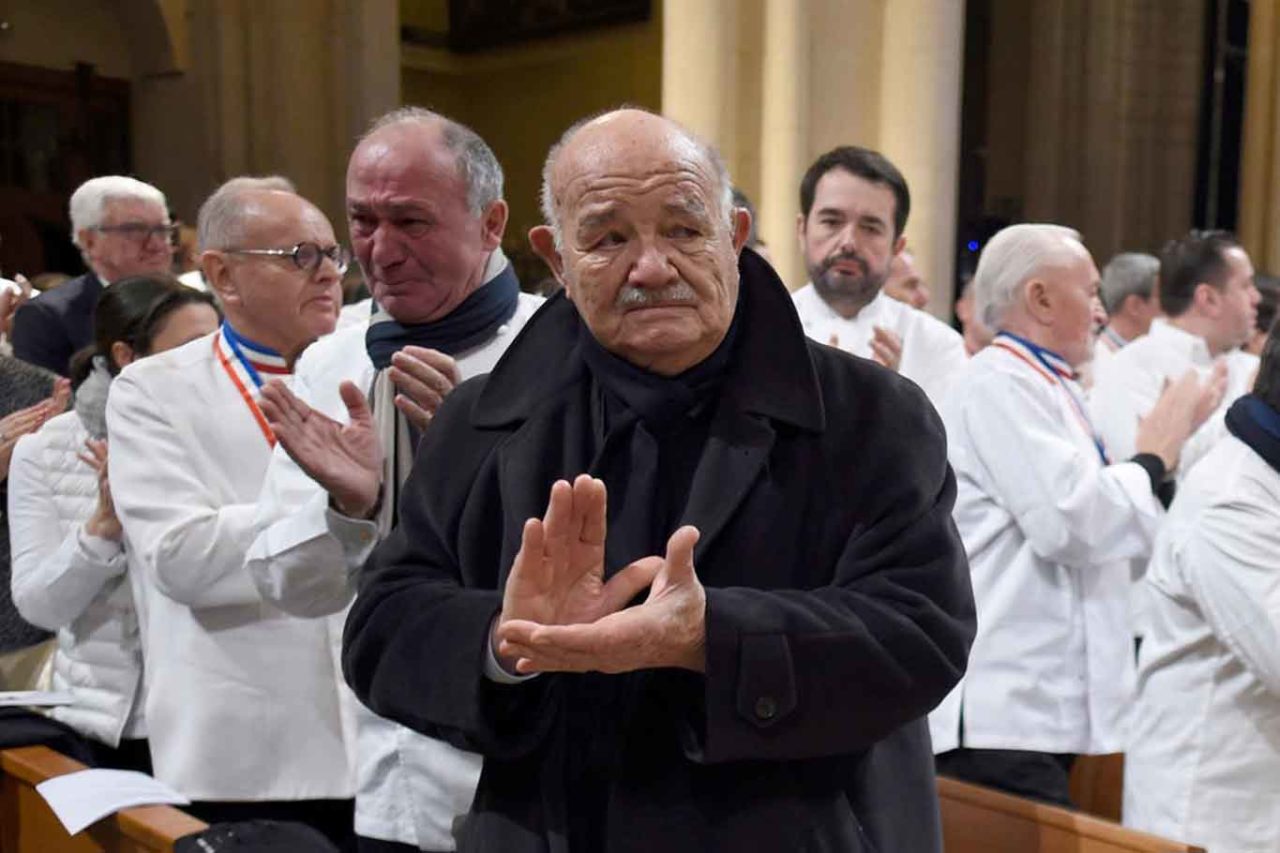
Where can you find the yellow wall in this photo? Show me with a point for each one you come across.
(60, 33)
(521, 99)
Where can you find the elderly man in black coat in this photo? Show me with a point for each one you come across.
(687, 580)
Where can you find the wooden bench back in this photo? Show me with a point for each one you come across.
(979, 820)
(27, 825)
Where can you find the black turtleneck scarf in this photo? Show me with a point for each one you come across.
(1252, 420)
(648, 433)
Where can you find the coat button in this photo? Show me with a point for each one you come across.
(766, 708)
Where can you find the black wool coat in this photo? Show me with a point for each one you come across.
(839, 609)
(51, 328)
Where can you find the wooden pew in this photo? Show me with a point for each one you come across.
(27, 825)
(1097, 785)
(979, 820)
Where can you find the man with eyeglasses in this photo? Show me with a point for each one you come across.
(121, 227)
(427, 216)
(241, 701)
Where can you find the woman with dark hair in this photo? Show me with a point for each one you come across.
(1204, 752)
(68, 571)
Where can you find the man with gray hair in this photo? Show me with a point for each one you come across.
(121, 227)
(425, 208)
(734, 649)
(1129, 295)
(1049, 521)
(241, 698)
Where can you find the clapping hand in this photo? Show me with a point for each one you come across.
(559, 613)
(103, 523)
(886, 348)
(346, 459)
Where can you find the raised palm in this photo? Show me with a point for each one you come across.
(557, 578)
(346, 459)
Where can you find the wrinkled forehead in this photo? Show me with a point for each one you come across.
(404, 161)
(599, 167)
(284, 219)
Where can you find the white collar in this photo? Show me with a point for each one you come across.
(1193, 346)
(872, 309)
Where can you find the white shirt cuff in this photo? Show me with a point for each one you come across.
(494, 671)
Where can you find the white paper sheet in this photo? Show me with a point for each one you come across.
(33, 698)
(81, 798)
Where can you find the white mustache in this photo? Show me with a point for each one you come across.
(631, 296)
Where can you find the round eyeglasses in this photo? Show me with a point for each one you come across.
(305, 256)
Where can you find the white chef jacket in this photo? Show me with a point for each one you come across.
(409, 788)
(1203, 761)
(932, 351)
(241, 698)
(1048, 530)
(1127, 386)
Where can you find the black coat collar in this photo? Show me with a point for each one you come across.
(772, 374)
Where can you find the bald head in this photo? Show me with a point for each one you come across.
(415, 131)
(642, 233)
(637, 140)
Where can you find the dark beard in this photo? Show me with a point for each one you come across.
(847, 294)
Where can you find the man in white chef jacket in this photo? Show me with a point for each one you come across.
(1207, 293)
(853, 209)
(1204, 753)
(447, 306)
(1049, 519)
(240, 697)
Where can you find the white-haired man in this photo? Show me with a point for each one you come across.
(1049, 521)
(447, 305)
(1128, 293)
(241, 703)
(121, 227)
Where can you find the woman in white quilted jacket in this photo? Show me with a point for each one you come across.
(68, 563)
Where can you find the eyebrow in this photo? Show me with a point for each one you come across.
(394, 208)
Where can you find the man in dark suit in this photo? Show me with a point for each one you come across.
(121, 227)
(735, 649)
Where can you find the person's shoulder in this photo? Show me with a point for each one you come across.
(340, 354)
(61, 298)
(917, 328)
(157, 370)
(858, 388)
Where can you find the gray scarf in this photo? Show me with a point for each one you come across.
(91, 398)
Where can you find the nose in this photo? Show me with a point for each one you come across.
(653, 268)
(385, 246)
(848, 239)
(1099, 312)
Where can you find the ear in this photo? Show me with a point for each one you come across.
(800, 223)
(87, 238)
(122, 354)
(900, 244)
(543, 241)
(1038, 299)
(217, 272)
(1207, 298)
(493, 224)
(740, 221)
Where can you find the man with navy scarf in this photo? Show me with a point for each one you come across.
(425, 208)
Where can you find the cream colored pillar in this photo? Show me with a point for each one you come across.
(700, 71)
(1259, 223)
(775, 83)
(920, 83)
(784, 131)
(281, 87)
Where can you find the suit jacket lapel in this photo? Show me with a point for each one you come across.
(732, 461)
